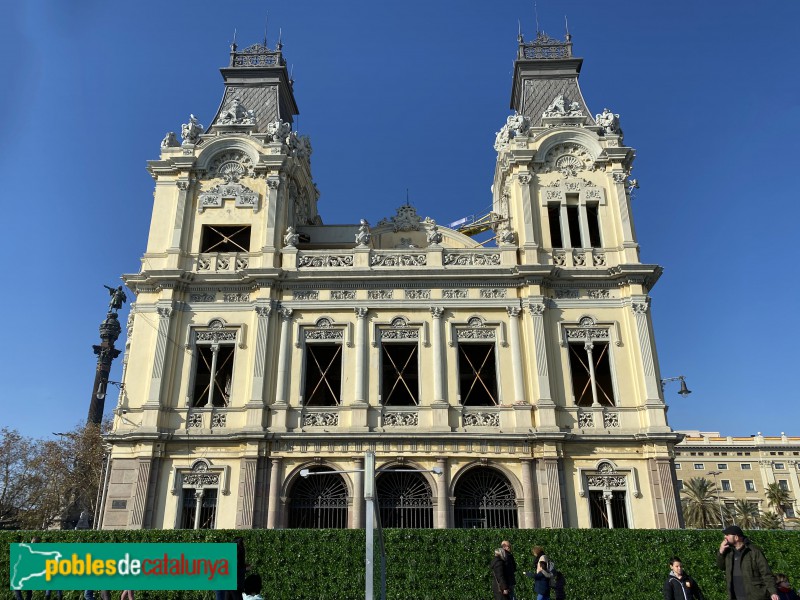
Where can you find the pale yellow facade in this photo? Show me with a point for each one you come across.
(525, 370)
(744, 466)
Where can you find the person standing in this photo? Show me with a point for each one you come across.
(541, 579)
(747, 573)
(509, 568)
(785, 591)
(679, 585)
(499, 586)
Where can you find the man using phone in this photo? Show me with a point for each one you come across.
(747, 573)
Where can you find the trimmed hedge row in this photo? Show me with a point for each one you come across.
(453, 564)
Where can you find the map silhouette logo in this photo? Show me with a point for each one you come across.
(28, 563)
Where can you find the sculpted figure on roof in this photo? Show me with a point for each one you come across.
(608, 121)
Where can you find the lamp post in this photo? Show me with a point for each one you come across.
(684, 391)
(719, 502)
(370, 496)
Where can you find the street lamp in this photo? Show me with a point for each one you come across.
(719, 502)
(684, 391)
(370, 495)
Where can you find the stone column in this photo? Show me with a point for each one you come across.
(628, 233)
(583, 221)
(245, 503)
(442, 497)
(273, 512)
(516, 352)
(357, 518)
(255, 407)
(268, 241)
(607, 497)
(198, 498)
(545, 407)
(529, 520)
(176, 239)
(284, 356)
(438, 369)
(589, 347)
(652, 389)
(361, 351)
(529, 244)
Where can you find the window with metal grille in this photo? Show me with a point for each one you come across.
(590, 367)
(225, 238)
(608, 510)
(399, 375)
(404, 500)
(323, 381)
(213, 375)
(208, 509)
(477, 375)
(318, 502)
(485, 499)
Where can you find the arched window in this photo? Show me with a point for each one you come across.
(404, 500)
(485, 499)
(318, 501)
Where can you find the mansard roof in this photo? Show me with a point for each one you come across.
(544, 71)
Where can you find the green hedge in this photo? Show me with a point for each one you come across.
(453, 564)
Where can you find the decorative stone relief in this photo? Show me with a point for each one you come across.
(610, 420)
(406, 219)
(243, 196)
(599, 259)
(516, 125)
(218, 420)
(343, 295)
(418, 294)
(236, 297)
(278, 131)
(223, 262)
(585, 420)
(194, 420)
(400, 419)
(537, 309)
(475, 334)
(170, 141)
(471, 258)
(437, 312)
(305, 295)
(561, 294)
(399, 334)
(324, 334)
(230, 166)
(200, 476)
(568, 158)
(454, 294)
(599, 294)
(399, 260)
(202, 297)
(559, 258)
(216, 333)
(620, 177)
(191, 131)
(588, 334)
(579, 258)
(363, 236)
(639, 308)
(506, 235)
(481, 419)
(494, 293)
(380, 294)
(562, 107)
(326, 260)
(321, 419)
(235, 113)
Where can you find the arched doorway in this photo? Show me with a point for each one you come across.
(404, 500)
(318, 502)
(485, 498)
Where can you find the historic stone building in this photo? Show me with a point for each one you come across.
(742, 467)
(263, 341)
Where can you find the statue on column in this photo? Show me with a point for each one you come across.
(118, 297)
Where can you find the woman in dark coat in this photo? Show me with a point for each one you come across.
(499, 586)
(679, 585)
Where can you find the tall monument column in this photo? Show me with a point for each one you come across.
(106, 353)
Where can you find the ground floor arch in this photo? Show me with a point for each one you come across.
(485, 498)
(318, 501)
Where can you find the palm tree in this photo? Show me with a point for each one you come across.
(700, 503)
(777, 498)
(746, 514)
(771, 520)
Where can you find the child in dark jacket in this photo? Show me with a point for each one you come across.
(679, 585)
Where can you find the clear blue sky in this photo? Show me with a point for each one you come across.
(409, 95)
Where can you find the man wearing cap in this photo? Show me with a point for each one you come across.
(747, 573)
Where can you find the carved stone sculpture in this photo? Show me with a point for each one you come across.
(608, 121)
(434, 235)
(505, 235)
(236, 114)
(191, 131)
(516, 125)
(291, 238)
(363, 236)
(170, 141)
(562, 107)
(278, 131)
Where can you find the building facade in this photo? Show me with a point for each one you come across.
(742, 467)
(263, 342)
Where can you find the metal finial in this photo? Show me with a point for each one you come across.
(536, 14)
(519, 31)
(233, 44)
(266, 23)
(566, 26)
(280, 39)
(407, 204)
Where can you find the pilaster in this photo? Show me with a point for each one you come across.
(281, 404)
(152, 407)
(255, 407)
(545, 407)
